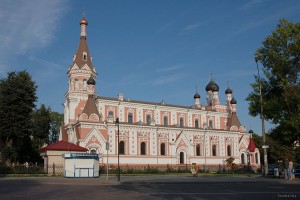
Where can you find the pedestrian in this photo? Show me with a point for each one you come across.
(286, 167)
(290, 171)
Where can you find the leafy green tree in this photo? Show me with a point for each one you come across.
(41, 126)
(280, 59)
(56, 122)
(17, 98)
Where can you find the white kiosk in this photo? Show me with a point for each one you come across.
(81, 165)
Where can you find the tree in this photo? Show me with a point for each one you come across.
(17, 98)
(41, 126)
(280, 59)
(56, 122)
(231, 164)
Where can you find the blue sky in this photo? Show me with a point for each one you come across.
(149, 50)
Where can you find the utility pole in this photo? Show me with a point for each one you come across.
(262, 124)
(118, 123)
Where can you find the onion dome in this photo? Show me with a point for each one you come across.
(197, 96)
(233, 101)
(228, 91)
(250, 131)
(83, 21)
(91, 81)
(212, 86)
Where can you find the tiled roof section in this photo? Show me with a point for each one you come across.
(234, 120)
(90, 107)
(83, 48)
(63, 146)
(150, 103)
(251, 146)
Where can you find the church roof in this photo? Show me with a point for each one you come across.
(63, 145)
(234, 120)
(90, 107)
(251, 146)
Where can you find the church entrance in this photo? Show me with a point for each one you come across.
(181, 157)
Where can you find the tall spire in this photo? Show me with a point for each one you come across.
(83, 24)
(82, 57)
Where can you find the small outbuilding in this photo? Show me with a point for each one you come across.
(81, 165)
(53, 155)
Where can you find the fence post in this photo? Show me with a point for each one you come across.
(53, 169)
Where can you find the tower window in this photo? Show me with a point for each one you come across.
(181, 122)
(84, 55)
(165, 120)
(211, 124)
(148, 118)
(110, 114)
(196, 123)
(130, 118)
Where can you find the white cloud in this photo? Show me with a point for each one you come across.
(28, 24)
(192, 27)
(285, 11)
(168, 69)
(251, 4)
(168, 79)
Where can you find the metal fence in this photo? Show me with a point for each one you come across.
(55, 169)
(32, 169)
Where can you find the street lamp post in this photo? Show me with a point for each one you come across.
(117, 122)
(107, 148)
(205, 126)
(262, 124)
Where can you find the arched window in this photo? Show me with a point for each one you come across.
(162, 149)
(181, 122)
(256, 158)
(76, 84)
(93, 151)
(129, 117)
(214, 150)
(143, 148)
(211, 124)
(110, 114)
(148, 118)
(84, 55)
(165, 120)
(243, 158)
(198, 152)
(228, 150)
(122, 147)
(196, 123)
(84, 84)
(181, 157)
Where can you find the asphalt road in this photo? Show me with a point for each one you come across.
(148, 187)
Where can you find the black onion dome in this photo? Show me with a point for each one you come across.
(250, 131)
(233, 101)
(212, 86)
(91, 81)
(228, 91)
(197, 95)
